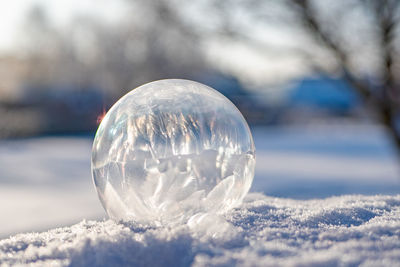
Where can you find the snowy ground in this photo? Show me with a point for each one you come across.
(265, 231)
(327, 160)
(45, 183)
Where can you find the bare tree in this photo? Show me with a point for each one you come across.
(152, 43)
(356, 39)
(382, 98)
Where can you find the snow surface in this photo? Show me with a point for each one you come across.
(45, 182)
(264, 231)
(328, 195)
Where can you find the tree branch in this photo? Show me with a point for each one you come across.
(307, 16)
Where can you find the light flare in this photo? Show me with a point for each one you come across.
(101, 116)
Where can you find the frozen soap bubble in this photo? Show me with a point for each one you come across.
(171, 149)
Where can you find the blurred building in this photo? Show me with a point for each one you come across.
(325, 93)
(321, 97)
(248, 102)
(12, 70)
(66, 108)
(16, 119)
(32, 109)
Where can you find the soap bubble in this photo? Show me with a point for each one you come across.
(171, 149)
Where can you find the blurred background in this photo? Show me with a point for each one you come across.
(317, 81)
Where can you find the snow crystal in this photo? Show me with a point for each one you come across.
(264, 231)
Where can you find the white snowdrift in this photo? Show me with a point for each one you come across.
(264, 231)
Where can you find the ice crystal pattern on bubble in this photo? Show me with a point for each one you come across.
(170, 149)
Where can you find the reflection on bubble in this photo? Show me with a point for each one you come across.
(171, 149)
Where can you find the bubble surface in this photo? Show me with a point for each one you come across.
(171, 149)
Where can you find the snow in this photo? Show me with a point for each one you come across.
(327, 195)
(264, 231)
(45, 182)
(325, 160)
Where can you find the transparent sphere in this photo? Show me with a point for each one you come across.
(171, 149)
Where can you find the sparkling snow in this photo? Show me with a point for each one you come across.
(265, 231)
